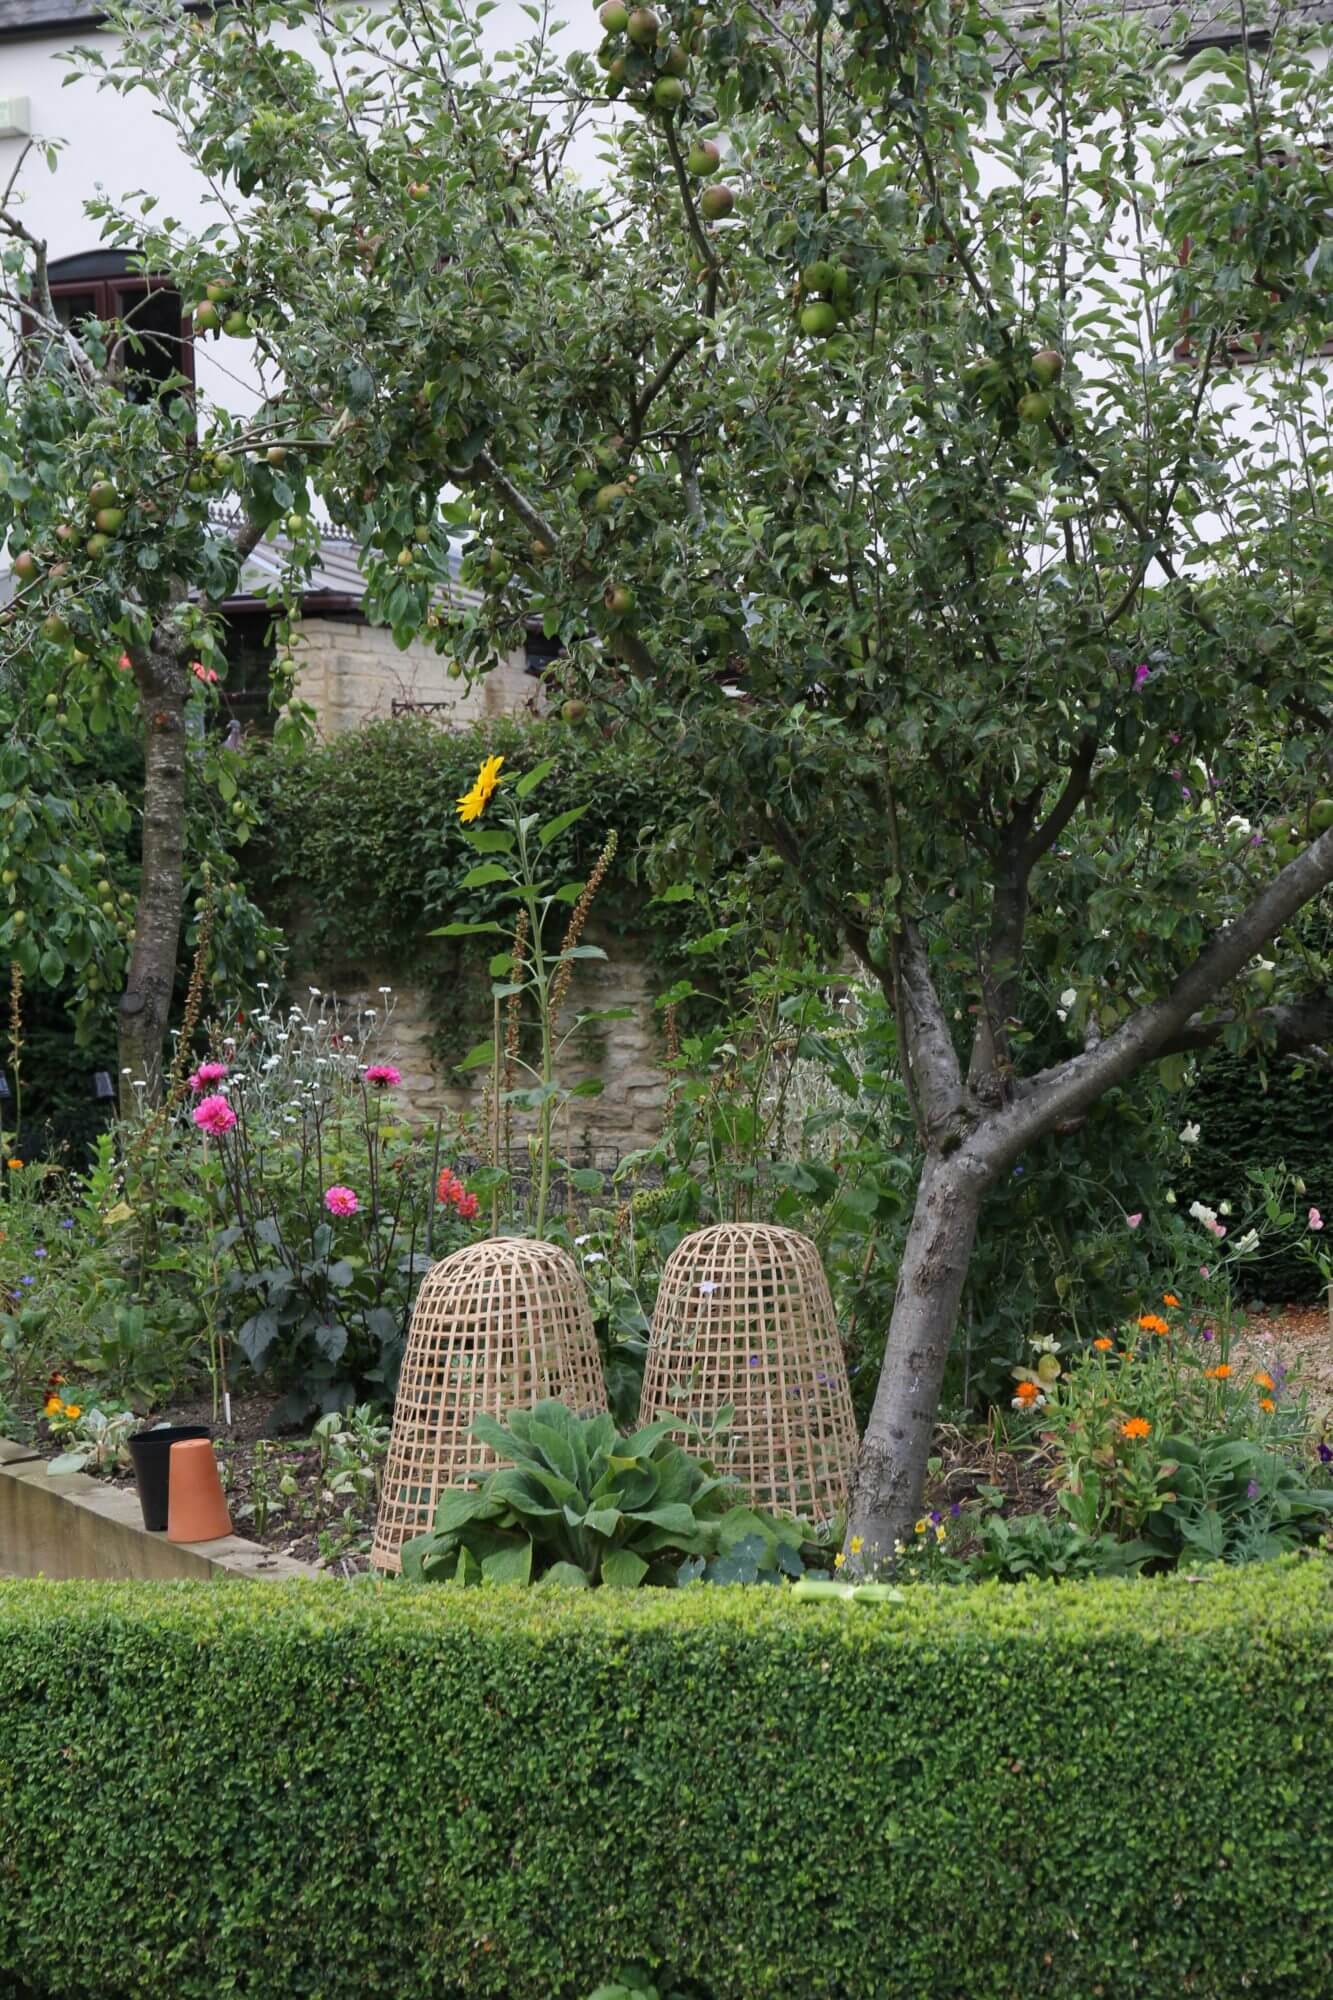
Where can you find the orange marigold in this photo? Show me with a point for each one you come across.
(1135, 1427)
(1220, 1373)
(1026, 1392)
(1170, 1299)
(1267, 1403)
(1103, 1346)
(1153, 1323)
(1263, 1378)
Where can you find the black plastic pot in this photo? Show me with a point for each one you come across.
(151, 1452)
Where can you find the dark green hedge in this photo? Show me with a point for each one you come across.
(1252, 1115)
(1109, 1789)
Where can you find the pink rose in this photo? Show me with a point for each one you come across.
(215, 1116)
(340, 1200)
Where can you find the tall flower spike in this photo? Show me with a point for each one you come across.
(578, 918)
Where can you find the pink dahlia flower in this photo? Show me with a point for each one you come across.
(215, 1116)
(209, 1072)
(341, 1200)
(383, 1076)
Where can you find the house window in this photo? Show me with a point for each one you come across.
(152, 334)
(1241, 343)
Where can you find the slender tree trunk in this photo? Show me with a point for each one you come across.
(145, 1005)
(891, 1471)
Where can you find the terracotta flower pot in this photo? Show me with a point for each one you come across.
(197, 1508)
(150, 1452)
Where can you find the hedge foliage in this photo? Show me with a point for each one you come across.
(1254, 1114)
(1112, 1789)
(359, 853)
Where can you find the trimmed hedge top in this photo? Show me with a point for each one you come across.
(1107, 1789)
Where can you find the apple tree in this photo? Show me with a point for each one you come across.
(917, 424)
(109, 635)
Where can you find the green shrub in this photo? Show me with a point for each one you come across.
(1114, 1788)
(1255, 1115)
(574, 1503)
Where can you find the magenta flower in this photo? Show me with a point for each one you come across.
(209, 1072)
(340, 1200)
(1141, 674)
(1316, 1219)
(383, 1076)
(1133, 1221)
(214, 1116)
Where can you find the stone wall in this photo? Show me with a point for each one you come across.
(351, 673)
(626, 1055)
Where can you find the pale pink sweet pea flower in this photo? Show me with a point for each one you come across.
(1316, 1220)
(340, 1200)
(1204, 1272)
(1133, 1221)
(214, 1116)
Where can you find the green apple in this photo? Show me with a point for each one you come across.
(818, 320)
(715, 202)
(703, 159)
(1047, 366)
(643, 27)
(668, 93)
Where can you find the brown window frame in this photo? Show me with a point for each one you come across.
(1239, 349)
(112, 289)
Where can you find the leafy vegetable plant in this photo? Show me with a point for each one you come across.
(578, 1504)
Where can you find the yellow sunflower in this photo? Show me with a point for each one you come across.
(484, 786)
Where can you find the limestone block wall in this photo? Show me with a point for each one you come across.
(351, 672)
(626, 1055)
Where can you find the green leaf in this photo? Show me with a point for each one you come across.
(565, 1576)
(604, 1520)
(528, 784)
(555, 827)
(484, 872)
(489, 840)
(623, 1570)
(513, 1565)
(479, 1054)
(468, 930)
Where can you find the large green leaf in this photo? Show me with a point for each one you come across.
(623, 1570)
(603, 1520)
(458, 1505)
(566, 1576)
(511, 1565)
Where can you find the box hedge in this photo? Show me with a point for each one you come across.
(1114, 1789)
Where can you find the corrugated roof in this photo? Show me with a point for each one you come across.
(1204, 21)
(336, 574)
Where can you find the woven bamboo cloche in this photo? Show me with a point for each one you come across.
(496, 1327)
(744, 1316)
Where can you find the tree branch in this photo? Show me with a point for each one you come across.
(931, 1052)
(1069, 1088)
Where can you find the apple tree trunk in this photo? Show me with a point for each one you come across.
(145, 1005)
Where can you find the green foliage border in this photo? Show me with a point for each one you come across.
(312, 1790)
